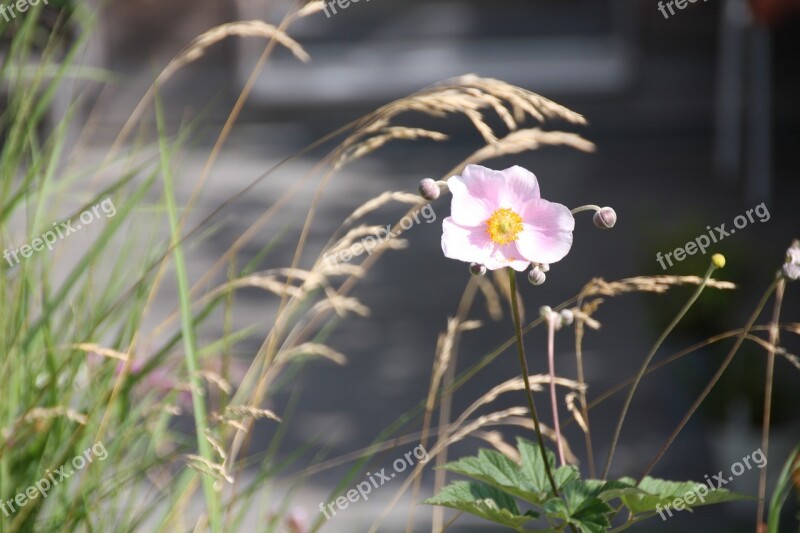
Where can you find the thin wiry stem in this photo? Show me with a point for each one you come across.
(585, 208)
(715, 379)
(668, 361)
(524, 366)
(389, 444)
(773, 341)
(444, 414)
(646, 363)
(551, 333)
(582, 392)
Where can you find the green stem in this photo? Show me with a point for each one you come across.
(551, 333)
(583, 208)
(187, 327)
(582, 381)
(646, 363)
(739, 340)
(524, 365)
(768, 381)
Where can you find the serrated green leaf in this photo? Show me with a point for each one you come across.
(533, 468)
(556, 508)
(499, 471)
(581, 506)
(585, 509)
(484, 501)
(610, 490)
(533, 465)
(652, 493)
(565, 474)
(490, 466)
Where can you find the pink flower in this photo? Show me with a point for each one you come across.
(498, 219)
(297, 521)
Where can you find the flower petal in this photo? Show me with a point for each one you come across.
(473, 245)
(479, 191)
(507, 256)
(520, 187)
(470, 244)
(473, 202)
(547, 232)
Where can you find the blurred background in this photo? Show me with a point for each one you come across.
(696, 120)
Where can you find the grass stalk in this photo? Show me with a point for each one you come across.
(187, 327)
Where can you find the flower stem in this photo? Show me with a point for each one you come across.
(646, 363)
(770, 375)
(551, 329)
(582, 381)
(583, 208)
(524, 365)
(721, 370)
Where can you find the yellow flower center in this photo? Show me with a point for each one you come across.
(504, 226)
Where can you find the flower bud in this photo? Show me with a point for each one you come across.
(567, 316)
(544, 267)
(545, 311)
(476, 269)
(718, 260)
(536, 276)
(605, 218)
(793, 253)
(791, 269)
(429, 189)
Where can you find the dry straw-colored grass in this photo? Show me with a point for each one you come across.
(469, 96)
(197, 49)
(39, 414)
(656, 284)
(100, 350)
(472, 97)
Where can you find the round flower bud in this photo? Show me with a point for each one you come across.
(429, 189)
(605, 218)
(544, 311)
(567, 316)
(791, 271)
(544, 267)
(536, 276)
(793, 253)
(718, 260)
(476, 269)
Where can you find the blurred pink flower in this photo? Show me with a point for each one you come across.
(297, 521)
(498, 219)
